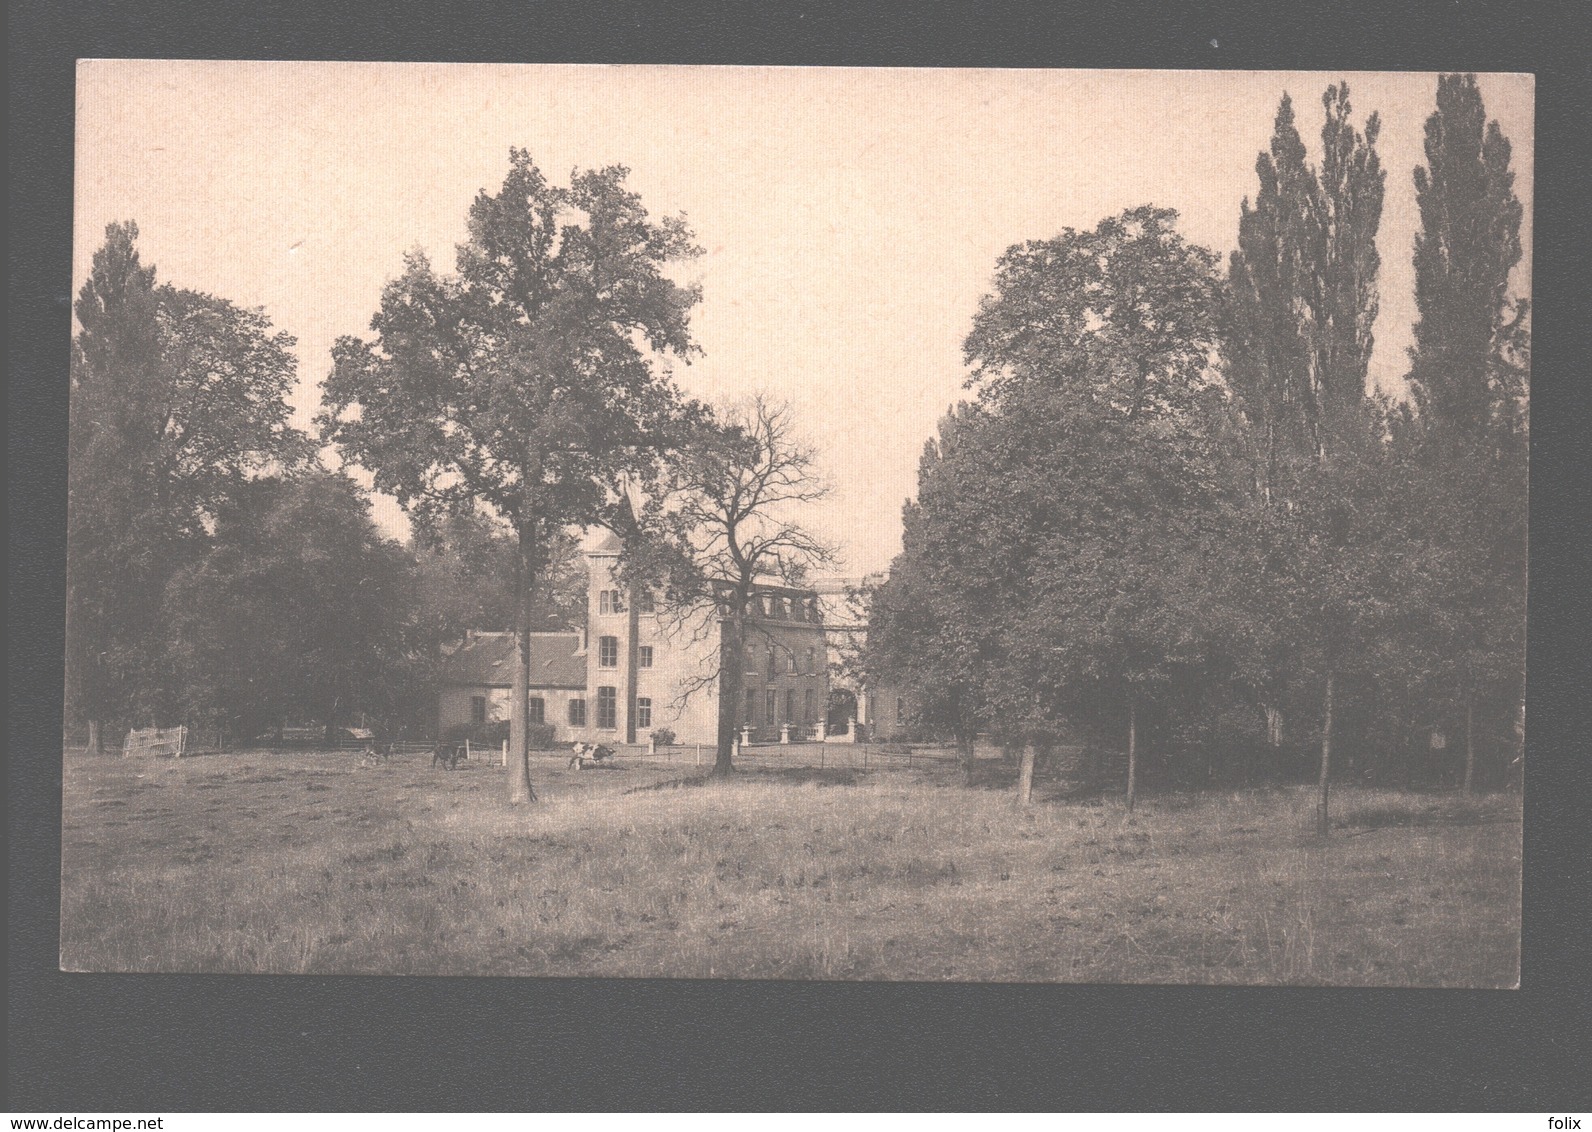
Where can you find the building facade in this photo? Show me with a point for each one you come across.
(636, 668)
(875, 708)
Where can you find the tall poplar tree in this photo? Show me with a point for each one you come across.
(178, 400)
(1303, 302)
(1469, 376)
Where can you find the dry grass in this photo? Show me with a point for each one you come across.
(264, 862)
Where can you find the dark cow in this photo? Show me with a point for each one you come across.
(449, 755)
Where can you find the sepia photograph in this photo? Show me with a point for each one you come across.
(800, 523)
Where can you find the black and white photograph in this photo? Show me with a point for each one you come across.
(798, 523)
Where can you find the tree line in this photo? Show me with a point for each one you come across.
(218, 573)
(1175, 520)
(222, 574)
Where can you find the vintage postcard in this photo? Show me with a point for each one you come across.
(798, 523)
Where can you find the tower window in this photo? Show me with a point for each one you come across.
(607, 708)
(608, 652)
(644, 656)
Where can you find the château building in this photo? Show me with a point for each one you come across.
(636, 667)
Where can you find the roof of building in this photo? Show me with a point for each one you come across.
(601, 541)
(487, 660)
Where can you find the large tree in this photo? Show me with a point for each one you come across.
(1067, 524)
(933, 627)
(529, 382)
(1303, 303)
(299, 609)
(1469, 374)
(728, 516)
(1303, 292)
(178, 399)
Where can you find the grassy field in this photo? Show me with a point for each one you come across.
(304, 862)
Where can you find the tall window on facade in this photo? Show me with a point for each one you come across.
(645, 603)
(790, 660)
(811, 657)
(607, 708)
(577, 712)
(477, 709)
(790, 706)
(773, 662)
(536, 710)
(807, 706)
(751, 707)
(610, 601)
(643, 711)
(608, 652)
(771, 706)
(644, 656)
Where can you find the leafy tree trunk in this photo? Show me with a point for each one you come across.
(520, 788)
(732, 666)
(1322, 823)
(1133, 755)
(1025, 776)
(1470, 741)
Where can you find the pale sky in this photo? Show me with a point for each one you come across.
(851, 218)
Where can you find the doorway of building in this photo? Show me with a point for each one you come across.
(842, 710)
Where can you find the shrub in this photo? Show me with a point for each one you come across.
(662, 737)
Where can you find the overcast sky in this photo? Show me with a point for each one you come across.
(851, 218)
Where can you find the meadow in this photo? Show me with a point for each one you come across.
(330, 863)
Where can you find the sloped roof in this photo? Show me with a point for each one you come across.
(487, 660)
(601, 541)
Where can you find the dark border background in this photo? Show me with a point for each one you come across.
(135, 1044)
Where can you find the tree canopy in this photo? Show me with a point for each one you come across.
(178, 399)
(530, 382)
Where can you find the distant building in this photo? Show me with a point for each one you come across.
(635, 667)
(880, 710)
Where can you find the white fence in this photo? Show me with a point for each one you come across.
(156, 741)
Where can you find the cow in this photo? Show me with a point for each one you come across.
(448, 754)
(594, 753)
